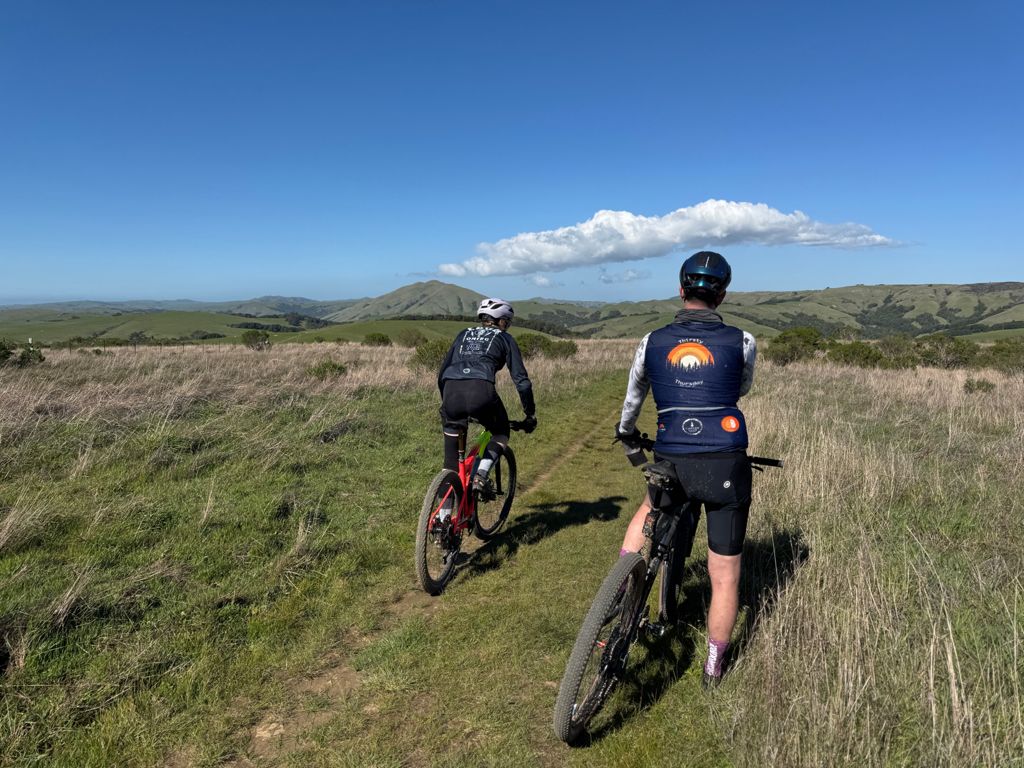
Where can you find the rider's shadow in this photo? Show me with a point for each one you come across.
(769, 563)
(541, 521)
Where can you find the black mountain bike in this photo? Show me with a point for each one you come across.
(620, 611)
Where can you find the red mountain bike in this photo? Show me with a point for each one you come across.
(451, 508)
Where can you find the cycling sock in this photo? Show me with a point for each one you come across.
(484, 467)
(716, 654)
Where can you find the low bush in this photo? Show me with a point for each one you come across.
(377, 340)
(410, 337)
(430, 354)
(326, 369)
(941, 351)
(533, 344)
(856, 353)
(1006, 355)
(978, 385)
(258, 340)
(22, 357)
(794, 344)
(560, 349)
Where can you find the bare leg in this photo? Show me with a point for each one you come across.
(725, 597)
(634, 540)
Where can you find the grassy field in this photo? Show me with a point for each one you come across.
(19, 326)
(206, 559)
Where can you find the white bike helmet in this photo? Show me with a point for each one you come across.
(495, 308)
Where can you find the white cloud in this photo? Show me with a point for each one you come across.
(627, 276)
(616, 236)
(541, 281)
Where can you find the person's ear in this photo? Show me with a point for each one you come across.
(681, 295)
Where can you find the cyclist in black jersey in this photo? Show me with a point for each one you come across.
(698, 367)
(466, 381)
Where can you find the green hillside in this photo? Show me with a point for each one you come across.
(980, 311)
(52, 328)
(429, 298)
(394, 328)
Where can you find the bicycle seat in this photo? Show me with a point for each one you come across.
(660, 474)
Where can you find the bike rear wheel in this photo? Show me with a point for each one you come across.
(437, 543)
(494, 503)
(601, 651)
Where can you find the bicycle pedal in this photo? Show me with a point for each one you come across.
(656, 629)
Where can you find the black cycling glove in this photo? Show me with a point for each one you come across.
(628, 438)
(529, 424)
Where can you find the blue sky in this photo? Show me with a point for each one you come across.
(333, 150)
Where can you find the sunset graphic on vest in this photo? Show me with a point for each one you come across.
(690, 355)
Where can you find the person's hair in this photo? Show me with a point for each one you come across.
(709, 297)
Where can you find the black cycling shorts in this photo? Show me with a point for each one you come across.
(721, 482)
(478, 398)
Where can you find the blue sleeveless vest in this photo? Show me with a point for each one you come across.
(695, 369)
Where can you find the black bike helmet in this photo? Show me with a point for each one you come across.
(705, 274)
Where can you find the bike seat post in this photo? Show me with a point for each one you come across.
(462, 444)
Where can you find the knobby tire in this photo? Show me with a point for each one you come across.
(435, 564)
(600, 654)
(491, 515)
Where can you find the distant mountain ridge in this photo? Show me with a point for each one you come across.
(984, 310)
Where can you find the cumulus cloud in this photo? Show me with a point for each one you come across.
(626, 276)
(541, 281)
(617, 236)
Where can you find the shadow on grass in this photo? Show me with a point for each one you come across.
(769, 564)
(541, 521)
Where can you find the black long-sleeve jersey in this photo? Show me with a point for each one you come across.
(479, 353)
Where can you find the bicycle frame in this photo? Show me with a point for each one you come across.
(462, 520)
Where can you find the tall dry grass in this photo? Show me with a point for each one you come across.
(900, 641)
(124, 384)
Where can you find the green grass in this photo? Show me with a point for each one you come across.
(220, 575)
(53, 328)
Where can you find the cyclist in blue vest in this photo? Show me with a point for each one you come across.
(466, 381)
(698, 367)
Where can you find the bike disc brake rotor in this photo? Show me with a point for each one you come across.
(443, 534)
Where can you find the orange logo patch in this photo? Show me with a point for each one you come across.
(730, 424)
(690, 354)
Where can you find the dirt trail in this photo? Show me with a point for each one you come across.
(277, 734)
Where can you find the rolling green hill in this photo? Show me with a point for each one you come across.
(980, 311)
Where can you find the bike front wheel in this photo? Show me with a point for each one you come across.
(602, 647)
(495, 500)
(437, 542)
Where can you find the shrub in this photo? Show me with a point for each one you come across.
(327, 369)
(410, 337)
(1006, 355)
(29, 355)
(941, 351)
(794, 344)
(978, 385)
(430, 354)
(560, 349)
(856, 353)
(258, 340)
(6, 350)
(531, 344)
(377, 340)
